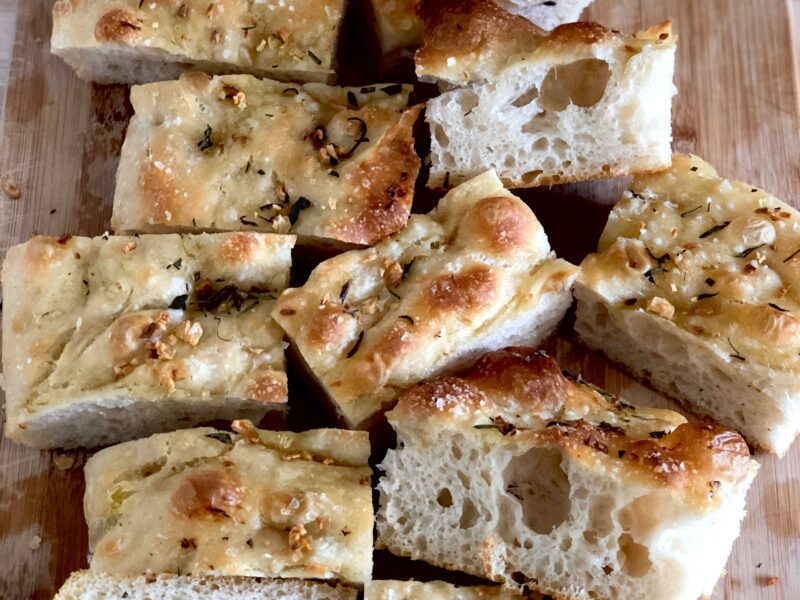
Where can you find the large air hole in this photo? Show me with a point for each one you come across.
(526, 98)
(634, 557)
(469, 515)
(467, 100)
(537, 481)
(581, 83)
(445, 498)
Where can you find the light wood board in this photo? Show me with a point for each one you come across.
(737, 107)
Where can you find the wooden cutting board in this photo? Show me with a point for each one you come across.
(737, 107)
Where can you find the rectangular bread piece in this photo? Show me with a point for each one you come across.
(477, 273)
(581, 102)
(435, 590)
(88, 585)
(128, 41)
(400, 30)
(112, 338)
(236, 153)
(694, 289)
(255, 503)
(517, 472)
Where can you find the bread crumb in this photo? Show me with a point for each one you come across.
(773, 580)
(63, 462)
(35, 542)
(11, 189)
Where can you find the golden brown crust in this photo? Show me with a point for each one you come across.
(319, 161)
(384, 185)
(117, 26)
(467, 291)
(523, 393)
(467, 32)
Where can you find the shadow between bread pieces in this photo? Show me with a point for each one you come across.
(327, 309)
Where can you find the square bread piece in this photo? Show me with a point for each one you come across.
(518, 473)
(237, 153)
(694, 289)
(87, 585)
(436, 590)
(257, 503)
(128, 41)
(400, 29)
(477, 273)
(112, 338)
(581, 102)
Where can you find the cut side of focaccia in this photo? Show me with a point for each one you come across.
(694, 289)
(257, 503)
(111, 338)
(581, 102)
(516, 472)
(237, 153)
(477, 273)
(436, 590)
(129, 41)
(88, 585)
(400, 29)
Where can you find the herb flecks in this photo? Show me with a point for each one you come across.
(748, 251)
(714, 229)
(355, 347)
(296, 208)
(737, 355)
(778, 308)
(206, 142)
(688, 212)
(179, 302)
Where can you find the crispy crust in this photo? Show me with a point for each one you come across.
(91, 321)
(255, 503)
(229, 36)
(465, 39)
(522, 393)
(319, 161)
(370, 323)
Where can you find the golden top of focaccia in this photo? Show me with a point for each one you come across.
(372, 322)
(256, 503)
(144, 317)
(718, 258)
(296, 36)
(521, 395)
(238, 153)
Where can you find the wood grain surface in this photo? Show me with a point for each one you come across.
(738, 107)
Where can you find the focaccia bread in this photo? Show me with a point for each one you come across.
(111, 338)
(258, 503)
(477, 273)
(435, 590)
(518, 473)
(237, 153)
(87, 585)
(128, 41)
(581, 102)
(694, 288)
(400, 29)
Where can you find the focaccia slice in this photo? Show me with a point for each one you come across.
(237, 153)
(581, 102)
(88, 585)
(435, 590)
(130, 41)
(400, 29)
(112, 338)
(257, 503)
(694, 289)
(517, 472)
(477, 273)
